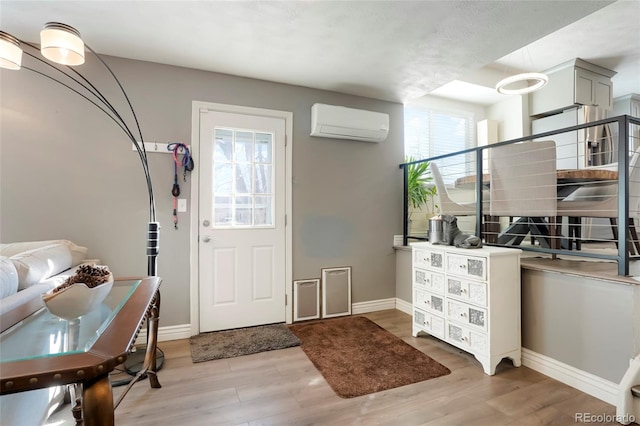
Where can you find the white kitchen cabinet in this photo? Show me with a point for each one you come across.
(628, 105)
(486, 134)
(593, 89)
(470, 298)
(572, 83)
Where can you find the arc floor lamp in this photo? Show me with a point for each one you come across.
(62, 49)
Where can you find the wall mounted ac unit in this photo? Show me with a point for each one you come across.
(331, 121)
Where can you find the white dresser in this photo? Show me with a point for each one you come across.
(469, 298)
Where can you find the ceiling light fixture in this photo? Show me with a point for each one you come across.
(61, 44)
(10, 52)
(534, 81)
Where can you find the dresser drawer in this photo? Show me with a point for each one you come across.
(428, 322)
(428, 301)
(467, 339)
(466, 314)
(467, 266)
(432, 281)
(425, 258)
(467, 290)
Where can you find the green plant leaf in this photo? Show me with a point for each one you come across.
(418, 178)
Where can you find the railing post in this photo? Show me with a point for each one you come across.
(405, 208)
(479, 184)
(623, 194)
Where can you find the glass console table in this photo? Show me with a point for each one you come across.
(40, 350)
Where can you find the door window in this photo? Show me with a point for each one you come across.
(243, 178)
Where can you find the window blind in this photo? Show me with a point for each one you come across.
(431, 132)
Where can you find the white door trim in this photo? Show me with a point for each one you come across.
(195, 201)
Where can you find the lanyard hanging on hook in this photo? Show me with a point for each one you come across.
(187, 163)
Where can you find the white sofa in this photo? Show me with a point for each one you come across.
(28, 269)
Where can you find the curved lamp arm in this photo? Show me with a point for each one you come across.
(76, 82)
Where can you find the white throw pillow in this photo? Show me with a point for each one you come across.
(38, 264)
(78, 253)
(8, 277)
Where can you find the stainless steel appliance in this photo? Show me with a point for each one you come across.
(593, 146)
(598, 140)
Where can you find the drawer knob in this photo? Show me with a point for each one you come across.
(462, 314)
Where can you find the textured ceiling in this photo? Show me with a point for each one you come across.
(393, 50)
(609, 38)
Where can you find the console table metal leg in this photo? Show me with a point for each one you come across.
(152, 343)
(97, 403)
(149, 368)
(75, 390)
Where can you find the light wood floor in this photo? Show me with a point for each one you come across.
(284, 388)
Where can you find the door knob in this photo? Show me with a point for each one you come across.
(206, 239)
(205, 223)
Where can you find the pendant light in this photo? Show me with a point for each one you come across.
(525, 82)
(61, 44)
(513, 85)
(10, 52)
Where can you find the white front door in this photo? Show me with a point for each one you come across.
(242, 261)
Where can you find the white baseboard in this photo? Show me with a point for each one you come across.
(171, 332)
(404, 306)
(373, 305)
(583, 381)
(381, 305)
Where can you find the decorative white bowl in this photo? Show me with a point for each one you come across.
(77, 299)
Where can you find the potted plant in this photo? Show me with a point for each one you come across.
(421, 194)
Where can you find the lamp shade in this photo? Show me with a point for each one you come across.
(62, 44)
(10, 52)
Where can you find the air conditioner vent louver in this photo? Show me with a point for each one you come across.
(338, 122)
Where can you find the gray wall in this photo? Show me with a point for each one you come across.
(587, 323)
(404, 280)
(67, 172)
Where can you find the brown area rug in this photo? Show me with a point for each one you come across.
(242, 341)
(358, 357)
